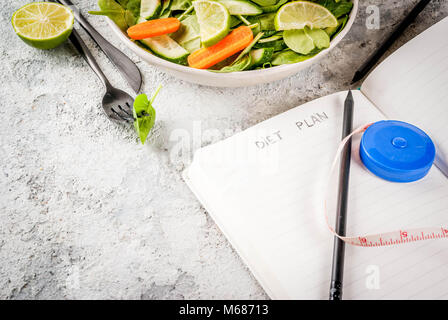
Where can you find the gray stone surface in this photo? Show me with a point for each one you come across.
(87, 212)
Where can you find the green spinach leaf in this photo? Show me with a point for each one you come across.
(114, 11)
(288, 57)
(177, 5)
(320, 38)
(166, 9)
(123, 3)
(274, 7)
(123, 12)
(134, 7)
(241, 65)
(337, 8)
(144, 115)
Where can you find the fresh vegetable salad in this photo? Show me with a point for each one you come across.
(230, 35)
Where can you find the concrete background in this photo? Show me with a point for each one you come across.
(86, 212)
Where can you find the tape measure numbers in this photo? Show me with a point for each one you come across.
(395, 151)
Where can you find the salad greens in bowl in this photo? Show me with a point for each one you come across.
(230, 43)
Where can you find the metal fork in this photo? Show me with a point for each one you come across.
(125, 65)
(117, 104)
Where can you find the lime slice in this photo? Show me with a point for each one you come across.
(43, 25)
(261, 56)
(298, 14)
(150, 9)
(214, 21)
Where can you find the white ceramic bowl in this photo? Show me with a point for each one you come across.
(233, 79)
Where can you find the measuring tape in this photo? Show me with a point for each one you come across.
(395, 151)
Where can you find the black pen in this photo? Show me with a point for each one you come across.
(373, 59)
(337, 271)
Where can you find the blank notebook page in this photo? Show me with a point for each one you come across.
(264, 188)
(412, 85)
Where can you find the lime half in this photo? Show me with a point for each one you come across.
(43, 25)
(214, 21)
(298, 14)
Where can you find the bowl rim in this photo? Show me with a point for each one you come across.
(160, 62)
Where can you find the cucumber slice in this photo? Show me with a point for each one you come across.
(166, 48)
(241, 7)
(150, 9)
(261, 56)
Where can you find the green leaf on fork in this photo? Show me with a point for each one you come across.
(144, 115)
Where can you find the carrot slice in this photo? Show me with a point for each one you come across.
(153, 28)
(235, 41)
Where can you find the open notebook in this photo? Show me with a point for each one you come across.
(264, 187)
